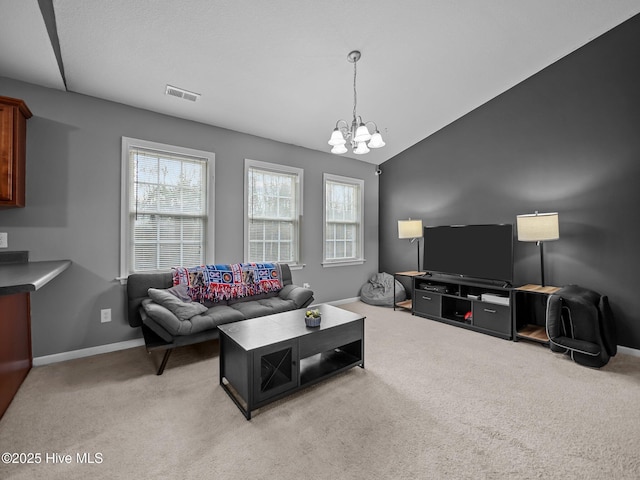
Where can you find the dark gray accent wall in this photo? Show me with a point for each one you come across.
(73, 208)
(567, 140)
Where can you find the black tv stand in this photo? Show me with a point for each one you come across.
(476, 304)
(464, 279)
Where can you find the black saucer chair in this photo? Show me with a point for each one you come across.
(580, 323)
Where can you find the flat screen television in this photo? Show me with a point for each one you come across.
(476, 251)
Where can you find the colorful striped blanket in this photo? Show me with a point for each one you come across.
(216, 283)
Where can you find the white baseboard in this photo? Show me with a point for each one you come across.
(86, 352)
(629, 351)
(344, 300)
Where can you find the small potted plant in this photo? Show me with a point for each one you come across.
(312, 318)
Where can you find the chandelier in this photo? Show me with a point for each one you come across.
(358, 133)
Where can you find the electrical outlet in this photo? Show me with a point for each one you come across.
(105, 315)
(4, 240)
(306, 285)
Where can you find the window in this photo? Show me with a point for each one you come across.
(343, 220)
(273, 208)
(166, 205)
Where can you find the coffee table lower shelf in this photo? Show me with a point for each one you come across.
(323, 365)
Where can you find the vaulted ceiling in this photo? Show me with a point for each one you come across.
(278, 69)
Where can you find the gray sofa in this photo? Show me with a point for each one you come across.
(167, 323)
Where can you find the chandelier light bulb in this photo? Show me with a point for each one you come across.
(362, 134)
(337, 138)
(339, 149)
(376, 141)
(362, 148)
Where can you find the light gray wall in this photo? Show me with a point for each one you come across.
(73, 208)
(565, 140)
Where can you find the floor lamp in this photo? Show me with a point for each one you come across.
(411, 229)
(539, 228)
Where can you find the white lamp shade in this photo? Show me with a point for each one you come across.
(362, 134)
(339, 149)
(362, 148)
(376, 141)
(409, 228)
(337, 138)
(538, 227)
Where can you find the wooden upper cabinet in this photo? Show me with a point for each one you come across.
(13, 138)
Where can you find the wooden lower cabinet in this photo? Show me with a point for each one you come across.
(15, 345)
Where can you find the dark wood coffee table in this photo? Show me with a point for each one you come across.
(267, 358)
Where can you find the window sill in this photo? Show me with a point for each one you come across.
(346, 263)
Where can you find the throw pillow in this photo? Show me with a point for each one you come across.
(167, 323)
(181, 292)
(182, 310)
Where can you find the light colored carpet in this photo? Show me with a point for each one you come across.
(434, 401)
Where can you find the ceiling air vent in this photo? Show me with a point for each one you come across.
(181, 93)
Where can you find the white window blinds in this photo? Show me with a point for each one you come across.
(167, 209)
(273, 213)
(343, 219)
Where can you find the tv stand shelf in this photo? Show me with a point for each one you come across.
(473, 304)
(406, 304)
(529, 318)
(533, 332)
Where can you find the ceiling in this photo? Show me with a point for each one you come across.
(278, 69)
